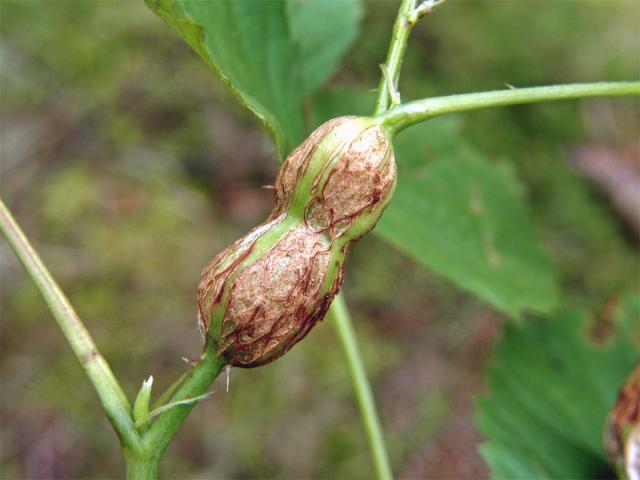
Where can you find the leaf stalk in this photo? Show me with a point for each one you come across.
(403, 116)
(112, 396)
(364, 396)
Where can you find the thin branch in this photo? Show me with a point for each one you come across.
(192, 388)
(403, 116)
(397, 47)
(408, 16)
(109, 390)
(366, 403)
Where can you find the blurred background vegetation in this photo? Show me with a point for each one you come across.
(129, 166)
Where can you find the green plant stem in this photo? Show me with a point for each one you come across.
(408, 15)
(142, 467)
(366, 403)
(111, 395)
(141, 454)
(403, 116)
(397, 46)
(198, 380)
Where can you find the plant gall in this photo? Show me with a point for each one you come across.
(265, 292)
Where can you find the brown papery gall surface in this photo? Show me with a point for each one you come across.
(264, 293)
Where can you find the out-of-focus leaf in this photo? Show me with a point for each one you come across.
(460, 215)
(550, 389)
(336, 102)
(465, 218)
(323, 30)
(269, 53)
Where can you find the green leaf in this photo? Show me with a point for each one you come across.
(323, 30)
(270, 53)
(458, 214)
(550, 390)
(141, 405)
(336, 102)
(465, 218)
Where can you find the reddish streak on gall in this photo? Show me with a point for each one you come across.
(272, 301)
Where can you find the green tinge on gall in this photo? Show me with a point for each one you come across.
(266, 291)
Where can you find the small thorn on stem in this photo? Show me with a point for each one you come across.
(509, 86)
(201, 326)
(227, 371)
(192, 362)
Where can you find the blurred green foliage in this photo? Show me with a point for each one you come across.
(270, 54)
(550, 391)
(130, 166)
